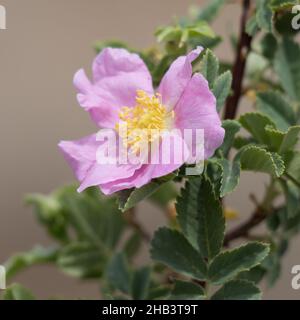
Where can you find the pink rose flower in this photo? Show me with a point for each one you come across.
(121, 92)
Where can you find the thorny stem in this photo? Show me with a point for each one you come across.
(244, 46)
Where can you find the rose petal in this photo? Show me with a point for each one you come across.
(176, 78)
(117, 75)
(196, 109)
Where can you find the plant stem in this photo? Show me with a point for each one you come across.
(260, 214)
(244, 46)
(296, 182)
(256, 218)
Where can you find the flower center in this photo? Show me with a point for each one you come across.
(143, 123)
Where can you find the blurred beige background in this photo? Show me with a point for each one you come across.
(45, 43)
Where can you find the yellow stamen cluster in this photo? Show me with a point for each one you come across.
(139, 123)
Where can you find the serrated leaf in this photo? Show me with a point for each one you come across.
(238, 290)
(200, 217)
(230, 175)
(140, 283)
(290, 139)
(283, 142)
(82, 259)
(230, 263)
(17, 292)
(232, 127)
(221, 88)
(287, 66)
(184, 290)
(254, 275)
(254, 158)
(171, 248)
(209, 67)
(273, 105)
(255, 123)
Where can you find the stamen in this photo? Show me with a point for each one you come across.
(147, 115)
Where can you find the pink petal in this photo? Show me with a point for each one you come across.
(196, 109)
(81, 156)
(176, 78)
(117, 75)
(150, 171)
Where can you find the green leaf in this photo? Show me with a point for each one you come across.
(95, 218)
(264, 15)
(169, 33)
(283, 142)
(200, 28)
(255, 123)
(254, 158)
(232, 127)
(230, 263)
(221, 88)
(131, 197)
(273, 105)
(171, 248)
(238, 290)
(118, 273)
(254, 275)
(269, 46)
(82, 259)
(17, 292)
(230, 175)
(140, 283)
(287, 66)
(209, 67)
(24, 260)
(50, 213)
(209, 12)
(290, 139)
(284, 23)
(273, 267)
(184, 290)
(200, 217)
